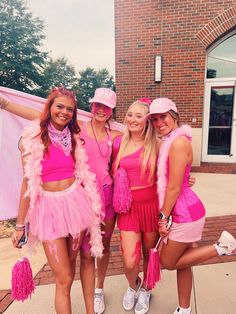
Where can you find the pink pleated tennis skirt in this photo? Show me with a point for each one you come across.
(143, 214)
(62, 213)
(187, 232)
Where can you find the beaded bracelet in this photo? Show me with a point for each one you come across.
(20, 227)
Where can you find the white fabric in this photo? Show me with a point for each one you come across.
(11, 127)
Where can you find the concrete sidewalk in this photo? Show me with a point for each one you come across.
(214, 291)
(214, 286)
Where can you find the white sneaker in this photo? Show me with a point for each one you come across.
(181, 311)
(227, 241)
(130, 296)
(99, 301)
(142, 305)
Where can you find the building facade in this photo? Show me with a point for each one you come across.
(186, 51)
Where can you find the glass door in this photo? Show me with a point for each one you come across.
(219, 128)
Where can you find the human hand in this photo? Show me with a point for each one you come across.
(3, 103)
(163, 230)
(164, 226)
(191, 181)
(16, 236)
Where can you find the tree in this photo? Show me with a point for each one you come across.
(21, 35)
(89, 80)
(57, 73)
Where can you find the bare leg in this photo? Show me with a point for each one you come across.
(184, 284)
(57, 254)
(73, 249)
(102, 263)
(131, 247)
(181, 256)
(87, 275)
(176, 255)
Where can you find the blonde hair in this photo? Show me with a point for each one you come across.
(149, 154)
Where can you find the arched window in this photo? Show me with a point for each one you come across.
(221, 60)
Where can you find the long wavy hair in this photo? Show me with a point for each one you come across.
(149, 155)
(46, 117)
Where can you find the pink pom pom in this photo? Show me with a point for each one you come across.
(22, 280)
(122, 196)
(154, 269)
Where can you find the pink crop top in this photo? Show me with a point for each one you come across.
(56, 165)
(133, 165)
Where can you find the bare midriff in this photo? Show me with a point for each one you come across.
(140, 187)
(59, 185)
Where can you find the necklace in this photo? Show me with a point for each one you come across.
(109, 143)
(136, 143)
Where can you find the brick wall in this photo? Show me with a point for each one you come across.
(180, 31)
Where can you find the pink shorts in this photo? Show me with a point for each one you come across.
(188, 232)
(143, 214)
(108, 200)
(109, 214)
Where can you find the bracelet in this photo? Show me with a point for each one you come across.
(20, 225)
(163, 216)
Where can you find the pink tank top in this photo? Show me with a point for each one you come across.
(56, 165)
(99, 155)
(133, 165)
(188, 206)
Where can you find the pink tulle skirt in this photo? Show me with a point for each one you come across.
(143, 214)
(60, 214)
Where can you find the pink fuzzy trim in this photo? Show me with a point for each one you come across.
(34, 154)
(184, 130)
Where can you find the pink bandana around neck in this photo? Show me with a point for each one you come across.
(60, 139)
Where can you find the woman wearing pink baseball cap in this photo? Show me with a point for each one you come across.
(178, 201)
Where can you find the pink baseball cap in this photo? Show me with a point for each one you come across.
(104, 96)
(161, 105)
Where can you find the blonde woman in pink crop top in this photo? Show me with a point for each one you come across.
(177, 199)
(59, 207)
(98, 140)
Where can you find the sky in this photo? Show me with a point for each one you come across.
(82, 31)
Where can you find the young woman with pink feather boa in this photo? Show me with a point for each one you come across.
(176, 199)
(59, 196)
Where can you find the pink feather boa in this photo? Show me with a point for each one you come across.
(33, 152)
(184, 130)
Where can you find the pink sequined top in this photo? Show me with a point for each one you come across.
(56, 165)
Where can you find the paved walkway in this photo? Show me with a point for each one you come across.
(214, 226)
(214, 286)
